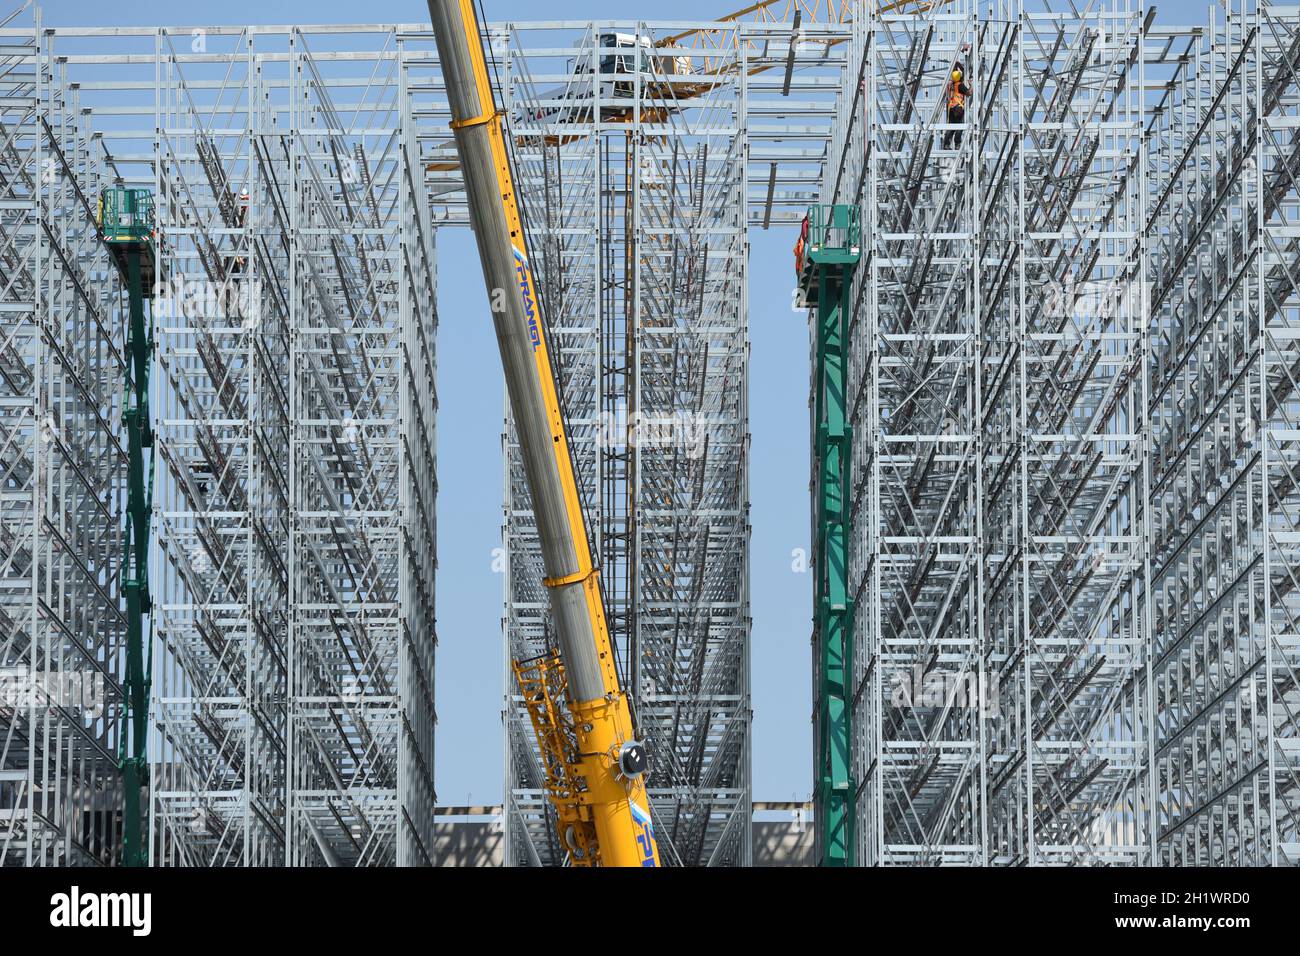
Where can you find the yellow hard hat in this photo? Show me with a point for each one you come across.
(956, 76)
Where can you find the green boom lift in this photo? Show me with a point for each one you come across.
(826, 259)
(126, 224)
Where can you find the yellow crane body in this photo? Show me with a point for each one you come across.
(595, 764)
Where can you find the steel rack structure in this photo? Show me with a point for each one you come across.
(639, 184)
(636, 211)
(300, 175)
(1224, 221)
(63, 471)
(1071, 398)
(1071, 393)
(295, 392)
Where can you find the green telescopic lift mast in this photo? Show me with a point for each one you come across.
(826, 259)
(126, 223)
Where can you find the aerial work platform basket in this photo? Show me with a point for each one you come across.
(126, 219)
(830, 235)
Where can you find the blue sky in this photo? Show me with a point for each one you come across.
(470, 664)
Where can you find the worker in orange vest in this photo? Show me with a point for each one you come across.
(799, 247)
(958, 91)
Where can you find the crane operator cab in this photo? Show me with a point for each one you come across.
(621, 57)
(618, 57)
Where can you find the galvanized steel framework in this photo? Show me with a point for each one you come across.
(62, 472)
(293, 682)
(1073, 391)
(637, 202)
(636, 213)
(293, 581)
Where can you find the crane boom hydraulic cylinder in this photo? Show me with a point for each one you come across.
(610, 799)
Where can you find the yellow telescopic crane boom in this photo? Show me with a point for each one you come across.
(603, 809)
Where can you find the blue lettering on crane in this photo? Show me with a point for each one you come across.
(526, 291)
(645, 833)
